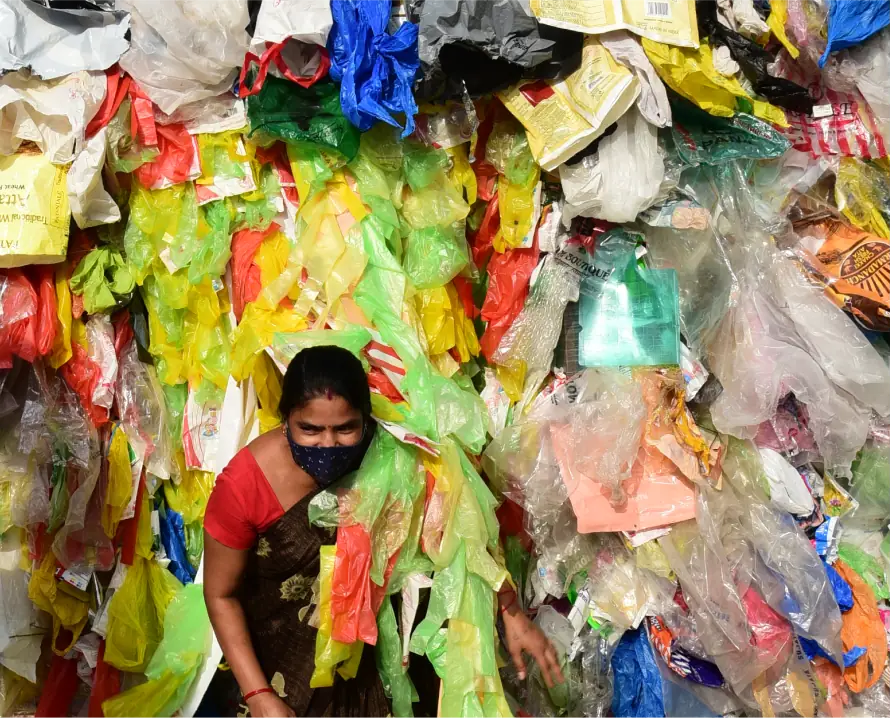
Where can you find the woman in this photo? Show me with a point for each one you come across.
(261, 555)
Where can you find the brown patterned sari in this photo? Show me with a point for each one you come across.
(277, 584)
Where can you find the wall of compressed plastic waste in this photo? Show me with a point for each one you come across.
(619, 275)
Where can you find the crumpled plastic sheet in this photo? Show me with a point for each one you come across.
(54, 43)
(52, 113)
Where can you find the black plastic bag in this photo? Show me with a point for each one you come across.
(753, 60)
(485, 46)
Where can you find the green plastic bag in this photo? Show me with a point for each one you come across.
(870, 486)
(422, 164)
(631, 317)
(214, 240)
(104, 279)
(388, 652)
(303, 115)
(703, 139)
(434, 256)
(175, 663)
(869, 568)
(286, 345)
(163, 221)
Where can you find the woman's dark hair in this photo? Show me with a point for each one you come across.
(316, 371)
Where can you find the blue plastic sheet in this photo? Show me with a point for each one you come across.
(844, 597)
(853, 21)
(812, 650)
(637, 684)
(173, 538)
(375, 69)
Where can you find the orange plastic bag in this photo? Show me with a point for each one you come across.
(862, 626)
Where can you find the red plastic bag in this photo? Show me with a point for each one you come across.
(509, 275)
(27, 313)
(771, 632)
(58, 689)
(273, 55)
(245, 274)
(351, 610)
(116, 88)
(176, 161)
(82, 374)
(481, 243)
(142, 117)
(106, 683)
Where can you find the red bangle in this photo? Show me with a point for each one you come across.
(257, 692)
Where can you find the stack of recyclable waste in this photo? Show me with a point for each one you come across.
(618, 273)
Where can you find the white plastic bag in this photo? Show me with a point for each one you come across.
(54, 43)
(51, 113)
(788, 491)
(632, 169)
(90, 202)
(183, 51)
(653, 99)
(304, 20)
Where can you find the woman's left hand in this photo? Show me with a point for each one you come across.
(521, 635)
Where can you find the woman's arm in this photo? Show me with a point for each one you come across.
(223, 569)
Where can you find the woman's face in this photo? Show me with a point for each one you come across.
(326, 421)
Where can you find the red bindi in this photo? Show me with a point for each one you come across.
(329, 394)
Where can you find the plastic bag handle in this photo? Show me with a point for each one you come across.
(273, 54)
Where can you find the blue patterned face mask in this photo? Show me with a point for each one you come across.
(327, 464)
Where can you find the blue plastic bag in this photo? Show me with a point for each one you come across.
(638, 685)
(812, 650)
(844, 597)
(375, 70)
(173, 538)
(853, 21)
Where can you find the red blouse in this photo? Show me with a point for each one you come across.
(242, 504)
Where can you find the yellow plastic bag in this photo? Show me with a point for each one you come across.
(189, 498)
(776, 21)
(516, 205)
(435, 311)
(34, 213)
(692, 74)
(120, 482)
(254, 333)
(861, 190)
(136, 614)
(330, 653)
(268, 386)
(67, 605)
(461, 173)
(61, 352)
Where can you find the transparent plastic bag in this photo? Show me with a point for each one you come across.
(526, 351)
(783, 335)
(602, 433)
(631, 167)
(181, 54)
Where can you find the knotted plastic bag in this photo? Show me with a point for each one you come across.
(375, 69)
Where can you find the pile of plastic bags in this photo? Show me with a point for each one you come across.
(619, 275)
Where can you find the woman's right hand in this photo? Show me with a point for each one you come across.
(268, 705)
